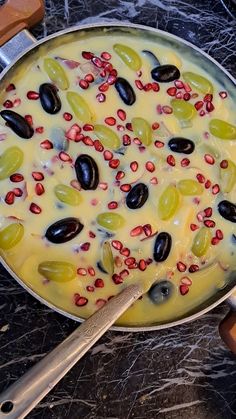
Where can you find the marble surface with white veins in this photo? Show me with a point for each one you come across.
(176, 373)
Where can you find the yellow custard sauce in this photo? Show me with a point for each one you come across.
(131, 147)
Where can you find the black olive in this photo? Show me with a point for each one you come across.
(64, 230)
(160, 292)
(152, 56)
(181, 145)
(87, 172)
(49, 98)
(137, 196)
(165, 73)
(125, 91)
(18, 124)
(227, 210)
(162, 246)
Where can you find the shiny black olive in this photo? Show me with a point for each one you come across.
(227, 210)
(87, 172)
(18, 124)
(125, 91)
(64, 230)
(181, 145)
(152, 56)
(165, 73)
(160, 292)
(137, 196)
(49, 98)
(162, 246)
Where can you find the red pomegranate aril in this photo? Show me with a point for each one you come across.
(101, 97)
(137, 141)
(155, 126)
(110, 121)
(224, 164)
(223, 95)
(103, 87)
(129, 126)
(150, 166)
(202, 113)
(37, 175)
(130, 261)
(63, 156)
(181, 267)
(167, 109)
(193, 268)
(208, 97)
(134, 166)
(139, 84)
(87, 55)
(98, 146)
(8, 104)
(97, 62)
(186, 280)
(200, 178)
(126, 140)
(107, 155)
(10, 87)
(16, 102)
(215, 189)
(120, 175)
(89, 78)
(219, 234)
(111, 80)
(186, 96)
(92, 235)
(117, 279)
(147, 228)
(88, 141)
(136, 231)
(171, 91)
(209, 223)
(193, 226)
(208, 184)
(200, 216)
(100, 302)
(82, 271)
(105, 55)
(121, 114)
(85, 246)
(208, 212)
(118, 261)
(88, 127)
(170, 160)
(16, 177)
(91, 271)
(179, 84)
(155, 87)
(112, 205)
(103, 186)
(210, 107)
(154, 180)
(198, 105)
(159, 144)
(39, 130)
(209, 159)
(117, 244)
(84, 84)
(10, 198)
(147, 87)
(114, 163)
(184, 289)
(187, 88)
(29, 119)
(39, 189)
(17, 192)
(125, 252)
(142, 265)
(90, 288)
(215, 241)
(99, 283)
(133, 266)
(46, 145)
(124, 273)
(179, 95)
(125, 187)
(185, 162)
(32, 95)
(34, 208)
(81, 301)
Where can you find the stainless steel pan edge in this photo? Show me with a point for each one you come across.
(29, 38)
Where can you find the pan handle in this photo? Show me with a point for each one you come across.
(227, 327)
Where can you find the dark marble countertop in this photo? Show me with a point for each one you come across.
(175, 373)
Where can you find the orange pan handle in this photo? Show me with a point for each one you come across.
(227, 330)
(16, 15)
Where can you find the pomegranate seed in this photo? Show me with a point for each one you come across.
(118, 261)
(139, 84)
(186, 280)
(142, 265)
(125, 187)
(167, 109)
(100, 302)
(29, 119)
(193, 268)
(187, 88)
(83, 84)
(107, 155)
(209, 223)
(208, 212)
(85, 246)
(133, 266)
(120, 175)
(111, 80)
(89, 77)
(223, 95)
(134, 166)
(125, 252)
(196, 201)
(117, 279)
(170, 160)
(155, 126)
(159, 144)
(16, 102)
(121, 114)
(150, 166)
(65, 157)
(88, 141)
(108, 67)
(202, 113)
(179, 95)
(209, 159)
(39, 130)
(126, 140)
(87, 55)
(208, 97)
(98, 146)
(208, 184)
(137, 141)
(88, 127)
(129, 126)
(136, 231)
(105, 55)
(117, 244)
(154, 180)
(34, 208)
(92, 235)
(200, 216)
(114, 163)
(215, 241)
(37, 175)
(103, 87)
(90, 288)
(10, 87)
(17, 192)
(210, 107)
(124, 273)
(200, 178)
(184, 289)
(185, 162)
(81, 301)
(81, 271)
(171, 91)
(181, 267)
(8, 104)
(10, 198)
(103, 186)
(46, 144)
(113, 72)
(219, 234)
(110, 121)
(224, 164)
(97, 62)
(99, 283)
(75, 184)
(179, 84)
(130, 261)
(31, 95)
(101, 97)
(91, 271)
(155, 87)
(193, 226)
(112, 205)
(39, 189)
(16, 177)
(198, 105)
(147, 87)
(186, 96)
(147, 228)
(215, 189)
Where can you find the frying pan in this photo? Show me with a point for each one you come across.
(16, 42)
